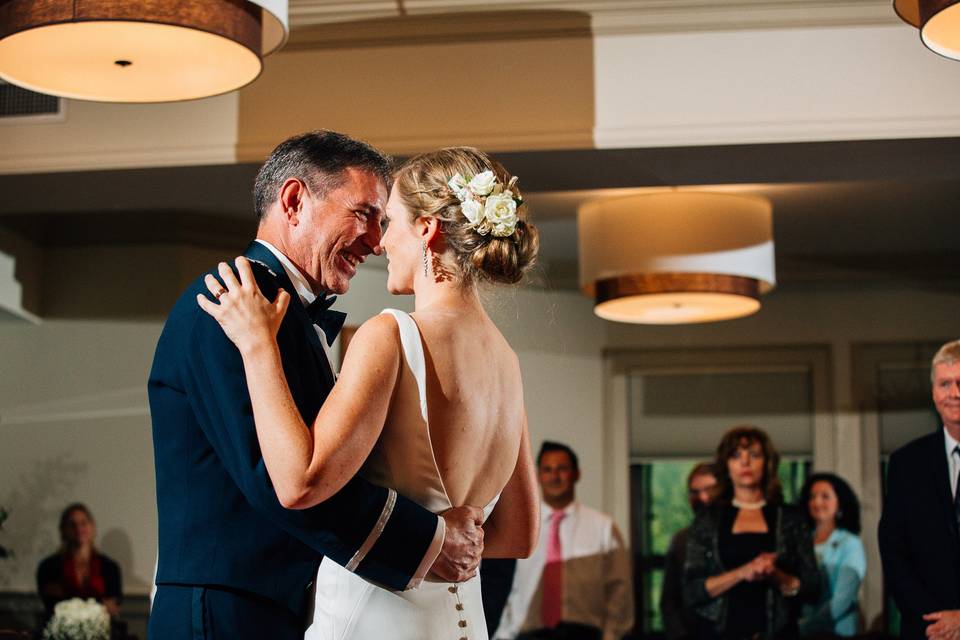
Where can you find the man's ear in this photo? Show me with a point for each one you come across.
(291, 196)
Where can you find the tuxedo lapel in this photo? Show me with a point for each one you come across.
(256, 252)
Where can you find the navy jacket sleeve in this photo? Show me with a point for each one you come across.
(213, 377)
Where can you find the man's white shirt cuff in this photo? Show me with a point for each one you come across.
(430, 557)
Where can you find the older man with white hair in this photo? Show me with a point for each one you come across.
(920, 528)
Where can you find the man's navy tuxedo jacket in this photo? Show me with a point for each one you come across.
(220, 521)
(919, 544)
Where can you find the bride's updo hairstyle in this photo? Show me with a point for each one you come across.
(424, 185)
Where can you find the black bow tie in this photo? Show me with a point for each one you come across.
(327, 319)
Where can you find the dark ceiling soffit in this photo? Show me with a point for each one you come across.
(174, 188)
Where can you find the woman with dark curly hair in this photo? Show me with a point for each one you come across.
(750, 561)
(834, 512)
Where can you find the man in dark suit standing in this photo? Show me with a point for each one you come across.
(233, 562)
(919, 542)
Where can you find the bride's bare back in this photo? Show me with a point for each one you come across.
(475, 403)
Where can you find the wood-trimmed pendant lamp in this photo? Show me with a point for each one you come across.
(137, 51)
(676, 257)
(938, 22)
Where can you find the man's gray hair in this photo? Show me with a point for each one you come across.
(319, 159)
(947, 354)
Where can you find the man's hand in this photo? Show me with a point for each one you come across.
(462, 545)
(946, 625)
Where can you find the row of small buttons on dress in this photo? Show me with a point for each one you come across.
(455, 590)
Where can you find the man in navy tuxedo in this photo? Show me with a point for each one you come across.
(919, 533)
(233, 562)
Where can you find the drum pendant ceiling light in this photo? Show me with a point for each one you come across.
(149, 51)
(676, 257)
(938, 21)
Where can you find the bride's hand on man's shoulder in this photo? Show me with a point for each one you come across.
(246, 316)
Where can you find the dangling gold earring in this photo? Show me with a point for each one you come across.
(423, 247)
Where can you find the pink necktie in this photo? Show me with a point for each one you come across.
(551, 607)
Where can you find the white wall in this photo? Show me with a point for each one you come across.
(74, 426)
(774, 85)
(96, 135)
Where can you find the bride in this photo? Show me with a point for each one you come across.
(430, 404)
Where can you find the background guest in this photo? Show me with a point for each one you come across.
(679, 622)
(834, 512)
(78, 570)
(919, 543)
(768, 545)
(577, 583)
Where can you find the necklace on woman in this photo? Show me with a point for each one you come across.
(749, 505)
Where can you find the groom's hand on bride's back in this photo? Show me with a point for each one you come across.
(462, 544)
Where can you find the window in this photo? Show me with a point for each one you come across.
(677, 405)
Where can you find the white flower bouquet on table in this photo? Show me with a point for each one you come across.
(77, 619)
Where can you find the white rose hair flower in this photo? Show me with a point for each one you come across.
(458, 185)
(501, 211)
(488, 206)
(482, 184)
(473, 211)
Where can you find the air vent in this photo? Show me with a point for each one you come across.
(25, 105)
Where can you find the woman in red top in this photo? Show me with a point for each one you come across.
(78, 570)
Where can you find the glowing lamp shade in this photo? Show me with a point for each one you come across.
(152, 51)
(938, 21)
(676, 257)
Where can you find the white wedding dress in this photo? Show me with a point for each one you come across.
(349, 607)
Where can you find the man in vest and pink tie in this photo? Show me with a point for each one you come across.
(577, 584)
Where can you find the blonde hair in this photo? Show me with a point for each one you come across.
(421, 183)
(947, 354)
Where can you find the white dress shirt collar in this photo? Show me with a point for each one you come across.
(298, 280)
(950, 443)
(546, 510)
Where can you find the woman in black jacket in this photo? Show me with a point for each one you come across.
(750, 562)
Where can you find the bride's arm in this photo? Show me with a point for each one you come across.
(307, 465)
(514, 526)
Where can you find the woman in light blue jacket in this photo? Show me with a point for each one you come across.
(834, 513)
